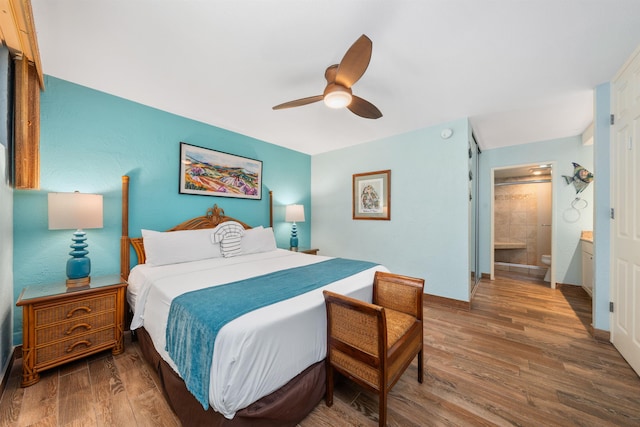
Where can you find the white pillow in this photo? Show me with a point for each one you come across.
(228, 234)
(172, 247)
(257, 240)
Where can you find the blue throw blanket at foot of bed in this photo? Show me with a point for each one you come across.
(195, 318)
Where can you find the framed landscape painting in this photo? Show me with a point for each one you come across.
(208, 172)
(372, 195)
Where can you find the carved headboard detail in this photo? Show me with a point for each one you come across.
(213, 217)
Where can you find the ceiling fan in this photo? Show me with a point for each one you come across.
(340, 78)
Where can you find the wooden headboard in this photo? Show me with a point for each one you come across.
(210, 219)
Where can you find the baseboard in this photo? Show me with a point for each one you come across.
(446, 302)
(16, 354)
(560, 285)
(485, 276)
(600, 335)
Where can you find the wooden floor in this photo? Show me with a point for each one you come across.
(522, 356)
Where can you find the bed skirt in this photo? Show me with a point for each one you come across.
(284, 407)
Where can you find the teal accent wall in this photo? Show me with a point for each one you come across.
(602, 195)
(89, 139)
(428, 234)
(567, 223)
(6, 219)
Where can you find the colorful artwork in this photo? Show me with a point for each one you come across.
(581, 178)
(370, 201)
(371, 195)
(214, 173)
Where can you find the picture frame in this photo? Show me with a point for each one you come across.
(371, 198)
(208, 172)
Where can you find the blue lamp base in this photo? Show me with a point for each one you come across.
(79, 266)
(293, 241)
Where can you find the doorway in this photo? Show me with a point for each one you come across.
(522, 227)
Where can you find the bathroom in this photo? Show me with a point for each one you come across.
(522, 221)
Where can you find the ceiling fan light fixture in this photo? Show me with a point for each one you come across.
(340, 78)
(337, 99)
(337, 96)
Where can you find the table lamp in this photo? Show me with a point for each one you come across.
(68, 211)
(294, 213)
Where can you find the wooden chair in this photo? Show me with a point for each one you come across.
(373, 344)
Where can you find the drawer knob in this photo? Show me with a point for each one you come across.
(72, 346)
(72, 312)
(79, 325)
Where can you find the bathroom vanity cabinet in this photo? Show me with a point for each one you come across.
(587, 266)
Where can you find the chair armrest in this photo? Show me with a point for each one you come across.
(355, 327)
(400, 293)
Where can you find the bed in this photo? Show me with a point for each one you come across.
(266, 366)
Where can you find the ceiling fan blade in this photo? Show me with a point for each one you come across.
(364, 108)
(355, 62)
(299, 102)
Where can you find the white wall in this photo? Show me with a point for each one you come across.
(602, 206)
(428, 235)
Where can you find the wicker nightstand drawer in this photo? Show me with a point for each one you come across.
(75, 327)
(75, 309)
(62, 350)
(61, 325)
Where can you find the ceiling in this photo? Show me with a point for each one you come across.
(522, 71)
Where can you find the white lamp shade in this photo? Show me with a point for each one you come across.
(294, 213)
(70, 211)
(337, 99)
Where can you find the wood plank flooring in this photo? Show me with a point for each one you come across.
(522, 356)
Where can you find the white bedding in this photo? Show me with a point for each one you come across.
(260, 351)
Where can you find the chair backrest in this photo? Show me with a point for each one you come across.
(398, 293)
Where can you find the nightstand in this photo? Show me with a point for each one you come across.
(306, 251)
(61, 325)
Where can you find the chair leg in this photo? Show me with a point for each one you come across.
(329, 395)
(382, 409)
(420, 366)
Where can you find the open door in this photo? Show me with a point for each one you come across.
(625, 226)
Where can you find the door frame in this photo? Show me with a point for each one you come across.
(552, 276)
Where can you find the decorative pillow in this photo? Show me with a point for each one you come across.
(228, 234)
(258, 240)
(172, 247)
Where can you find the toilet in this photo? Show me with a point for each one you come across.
(546, 260)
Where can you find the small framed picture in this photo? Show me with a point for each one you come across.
(372, 195)
(208, 172)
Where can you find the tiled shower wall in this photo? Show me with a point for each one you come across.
(519, 215)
